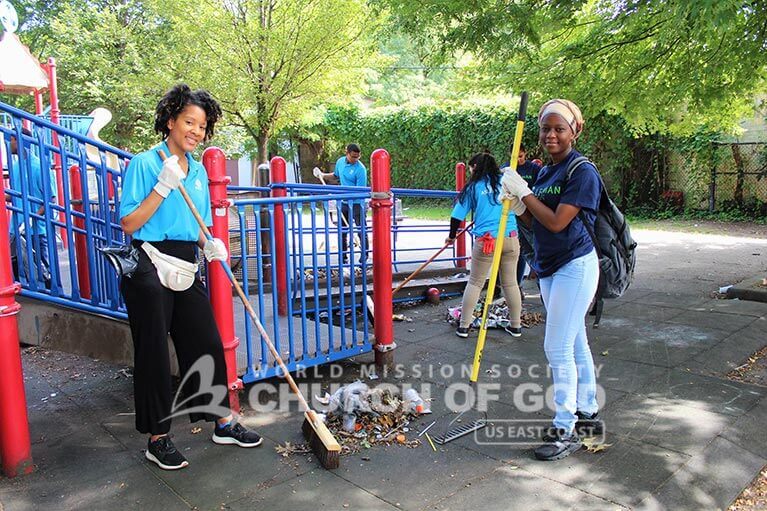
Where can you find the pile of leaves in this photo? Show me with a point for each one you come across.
(384, 419)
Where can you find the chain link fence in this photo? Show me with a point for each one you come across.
(739, 178)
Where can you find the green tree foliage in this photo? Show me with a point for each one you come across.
(109, 53)
(664, 65)
(425, 142)
(268, 61)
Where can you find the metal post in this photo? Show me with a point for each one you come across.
(381, 205)
(38, 102)
(460, 242)
(280, 251)
(219, 286)
(53, 89)
(81, 241)
(263, 180)
(15, 448)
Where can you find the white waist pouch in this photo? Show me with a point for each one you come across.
(174, 273)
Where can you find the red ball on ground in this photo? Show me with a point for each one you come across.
(432, 295)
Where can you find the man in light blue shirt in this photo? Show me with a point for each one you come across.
(350, 171)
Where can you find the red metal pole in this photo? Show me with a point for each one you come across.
(15, 448)
(81, 242)
(54, 92)
(38, 102)
(460, 242)
(219, 286)
(280, 252)
(381, 204)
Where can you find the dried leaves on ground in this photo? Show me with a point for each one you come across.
(753, 370)
(753, 498)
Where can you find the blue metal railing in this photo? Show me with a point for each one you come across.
(44, 200)
(326, 318)
(406, 251)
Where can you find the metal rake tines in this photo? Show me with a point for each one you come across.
(460, 431)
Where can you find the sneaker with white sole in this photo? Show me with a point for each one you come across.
(235, 433)
(163, 453)
(514, 331)
(558, 445)
(462, 331)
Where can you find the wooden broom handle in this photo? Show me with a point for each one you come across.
(245, 302)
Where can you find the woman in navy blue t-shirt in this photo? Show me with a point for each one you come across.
(568, 268)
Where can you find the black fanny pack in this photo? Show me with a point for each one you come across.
(123, 258)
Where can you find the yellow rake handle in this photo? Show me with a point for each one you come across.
(498, 244)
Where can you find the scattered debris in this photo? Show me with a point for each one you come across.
(593, 445)
(754, 497)
(196, 430)
(605, 353)
(401, 317)
(753, 370)
(360, 417)
(289, 449)
(497, 316)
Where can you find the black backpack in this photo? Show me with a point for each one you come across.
(614, 245)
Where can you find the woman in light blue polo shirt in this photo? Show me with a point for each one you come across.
(154, 213)
(481, 197)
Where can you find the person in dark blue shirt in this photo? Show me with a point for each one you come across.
(481, 197)
(164, 295)
(568, 271)
(529, 172)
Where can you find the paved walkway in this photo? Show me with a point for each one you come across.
(681, 435)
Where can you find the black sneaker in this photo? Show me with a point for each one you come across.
(561, 446)
(462, 332)
(589, 425)
(164, 454)
(235, 433)
(514, 332)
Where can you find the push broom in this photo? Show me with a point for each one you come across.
(324, 445)
(453, 433)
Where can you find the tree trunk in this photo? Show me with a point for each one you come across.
(263, 142)
(739, 178)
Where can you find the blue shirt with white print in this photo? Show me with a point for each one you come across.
(487, 207)
(351, 174)
(173, 220)
(583, 189)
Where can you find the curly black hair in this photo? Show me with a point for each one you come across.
(485, 169)
(175, 100)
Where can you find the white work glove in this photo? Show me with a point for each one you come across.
(317, 172)
(517, 206)
(170, 177)
(215, 250)
(514, 185)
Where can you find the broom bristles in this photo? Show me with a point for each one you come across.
(322, 442)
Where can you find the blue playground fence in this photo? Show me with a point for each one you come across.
(326, 318)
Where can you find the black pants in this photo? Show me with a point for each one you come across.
(359, 220)
(153, 312)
